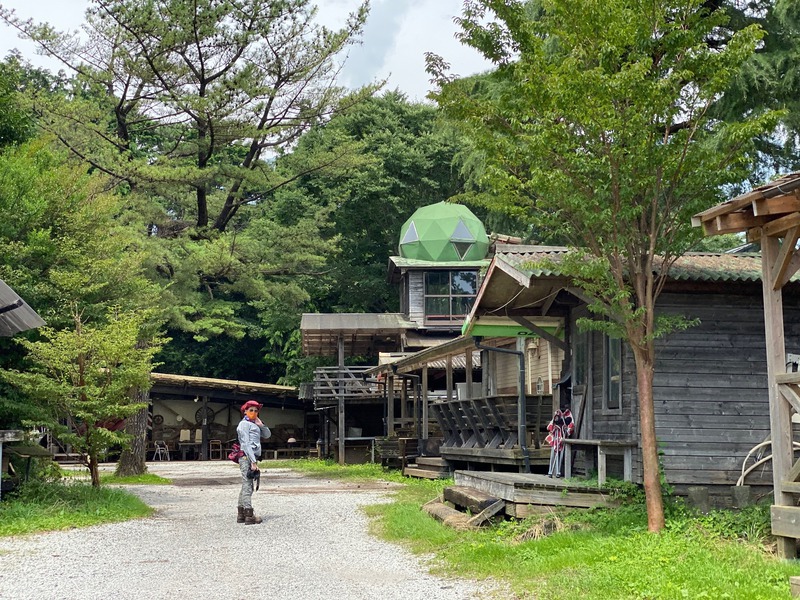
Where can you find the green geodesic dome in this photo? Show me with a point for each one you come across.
(443, 232)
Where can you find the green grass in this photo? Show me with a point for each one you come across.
(111, 478)
(332, 470)
(591, 555)
(53, 506)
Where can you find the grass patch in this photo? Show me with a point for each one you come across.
(328, 468)
(593, 555)
(53, 506)
(111, 478)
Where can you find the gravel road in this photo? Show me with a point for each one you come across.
(312, 545)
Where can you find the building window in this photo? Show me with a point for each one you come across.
(449, 296)
(612, 375)
(580, 359)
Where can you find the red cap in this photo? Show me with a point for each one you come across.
(248, 404)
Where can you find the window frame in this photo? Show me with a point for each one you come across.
(450, 296)
(612, 346)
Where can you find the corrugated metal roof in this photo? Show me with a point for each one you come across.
(361, 333)
(459, 361)
(351, 322)
(693, 266)
(15, 314)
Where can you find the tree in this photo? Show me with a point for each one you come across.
(400, 157)
(83, 378)
(71, 246)
(189, 105)
(598, 126)
(198, 97)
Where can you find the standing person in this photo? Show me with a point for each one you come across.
(250, 432)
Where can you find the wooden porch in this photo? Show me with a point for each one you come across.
(527, 494)
(486, 430)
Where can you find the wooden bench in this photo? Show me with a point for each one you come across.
(622, 448)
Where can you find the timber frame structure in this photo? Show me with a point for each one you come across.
(770, 215)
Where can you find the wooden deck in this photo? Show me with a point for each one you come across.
(527, 494)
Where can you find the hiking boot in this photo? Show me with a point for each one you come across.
(250, 518)
(240, 514)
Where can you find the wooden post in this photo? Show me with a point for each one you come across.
(403, 402)
(779, 415)
(449, 377)
(425, 428)
(468, 373)
(390, 405)
(341, 390)
(204, 428)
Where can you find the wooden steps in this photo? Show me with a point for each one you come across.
(428, 467)
(463, 507)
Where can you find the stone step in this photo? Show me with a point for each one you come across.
(414, 471)
(469, 498)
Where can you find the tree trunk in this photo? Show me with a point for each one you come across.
(132, 459)
(647, 424)
(94, 469)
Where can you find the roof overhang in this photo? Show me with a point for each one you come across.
(15, 314)
(188, 387)
(775, 207)
(360, 334)
(399, 265)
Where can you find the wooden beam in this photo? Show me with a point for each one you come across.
(734, 222)
(725, 208)
(792, 476)
(779, 414)
(779, 205)
(786, 521)
(791, 396)
(781, 225)
(787, 262)
(548, 301)
(541, 332)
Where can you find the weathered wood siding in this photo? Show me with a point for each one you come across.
(416, 297)
(507, 369)
(613, 425)
(710, 387)
(543, 359)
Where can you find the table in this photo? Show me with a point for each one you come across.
(622, 448)
(29, 452)
(185, 447)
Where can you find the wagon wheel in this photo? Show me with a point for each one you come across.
(206, 412)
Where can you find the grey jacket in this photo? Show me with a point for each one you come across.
(250, 436)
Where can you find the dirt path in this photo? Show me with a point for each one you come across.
(312, 545)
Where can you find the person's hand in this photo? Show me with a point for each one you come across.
(254, 466)
(258, 422)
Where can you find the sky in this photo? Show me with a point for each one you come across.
(397, 36)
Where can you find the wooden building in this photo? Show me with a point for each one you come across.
(770, 216)
(710, 389)
(442, 248)
(196, 417)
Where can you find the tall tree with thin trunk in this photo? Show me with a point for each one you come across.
(596, 125)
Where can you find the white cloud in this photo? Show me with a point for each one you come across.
(395, 40)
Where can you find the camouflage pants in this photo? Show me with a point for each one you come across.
(246, 494)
